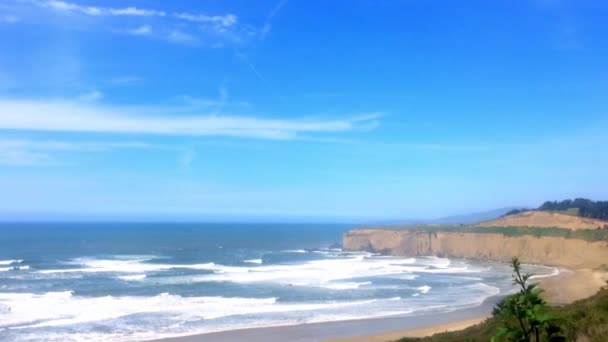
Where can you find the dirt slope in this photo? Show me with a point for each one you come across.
(545, 219)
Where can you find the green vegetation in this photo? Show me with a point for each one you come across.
(580, 207)
(570, 212)
(516, 211)
(602, 267)
(581, 234)
(584, 320)
(525, 315)
(586, 207)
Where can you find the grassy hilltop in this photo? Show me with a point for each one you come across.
(572, 219)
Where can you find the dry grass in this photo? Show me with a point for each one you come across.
(545, 219)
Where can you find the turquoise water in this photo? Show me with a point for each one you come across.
(130, 282)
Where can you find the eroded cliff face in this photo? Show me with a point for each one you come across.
(555, 251)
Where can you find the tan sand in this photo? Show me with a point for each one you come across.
(416, 332)
(572, 285)
(545, 219)
(565, 288)
(568, 286)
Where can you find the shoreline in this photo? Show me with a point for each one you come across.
(571, 285)
(418, 332)
(347, 330)
(563, 288)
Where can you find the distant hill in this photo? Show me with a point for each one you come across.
(473, 217)
(582, 207)
(545, 219)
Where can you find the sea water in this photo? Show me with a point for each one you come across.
(132, 282)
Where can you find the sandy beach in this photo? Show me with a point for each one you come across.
(564, 288)
(415, 332)
(378, 329)
(571, 285)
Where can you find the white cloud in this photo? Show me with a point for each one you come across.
(23, 152)
(223, 20)
(141, 31)
(186, 159)
(9, 19)
(198, 101)
(268, 23)
(191, 29)
(69, 116)
(22, 157)
(100, 11)
(94, 95)
(126, 80)
(57, 145)
(179, 37)
(133, 11)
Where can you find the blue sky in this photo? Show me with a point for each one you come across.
(299, 110)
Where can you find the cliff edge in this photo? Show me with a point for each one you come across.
(545, 219)
(546, 250)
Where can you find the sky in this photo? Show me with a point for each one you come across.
(299, 110)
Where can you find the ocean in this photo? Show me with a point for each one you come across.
(134, 282)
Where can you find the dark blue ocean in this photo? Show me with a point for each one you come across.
(132, 282)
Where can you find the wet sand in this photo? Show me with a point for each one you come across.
(352, 330)
(415, 332)
(564, 288)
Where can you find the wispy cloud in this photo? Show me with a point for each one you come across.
(73, 116)
(24, 152)
(222, 20)
(565, 33)
(69, 7)
(175, 36)
(143, 30)
(268, 23)
(180, 37)
(126, 80)
(9, 19)
(251, 67)
(443, 147)
(183, 28)
(94, 95)
(217, 104)
(186, 159)
(198, 102)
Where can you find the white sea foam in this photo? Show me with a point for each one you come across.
(27, 310)
(133, 277)
(554, 271)
(332, 273)
(342, 285)
(93, 265)
(15, 268)
(317, 273)
(488, 290)
(424, 289)
(166, 315)
(9, 262)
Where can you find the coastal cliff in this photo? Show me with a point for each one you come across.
(554, 251)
